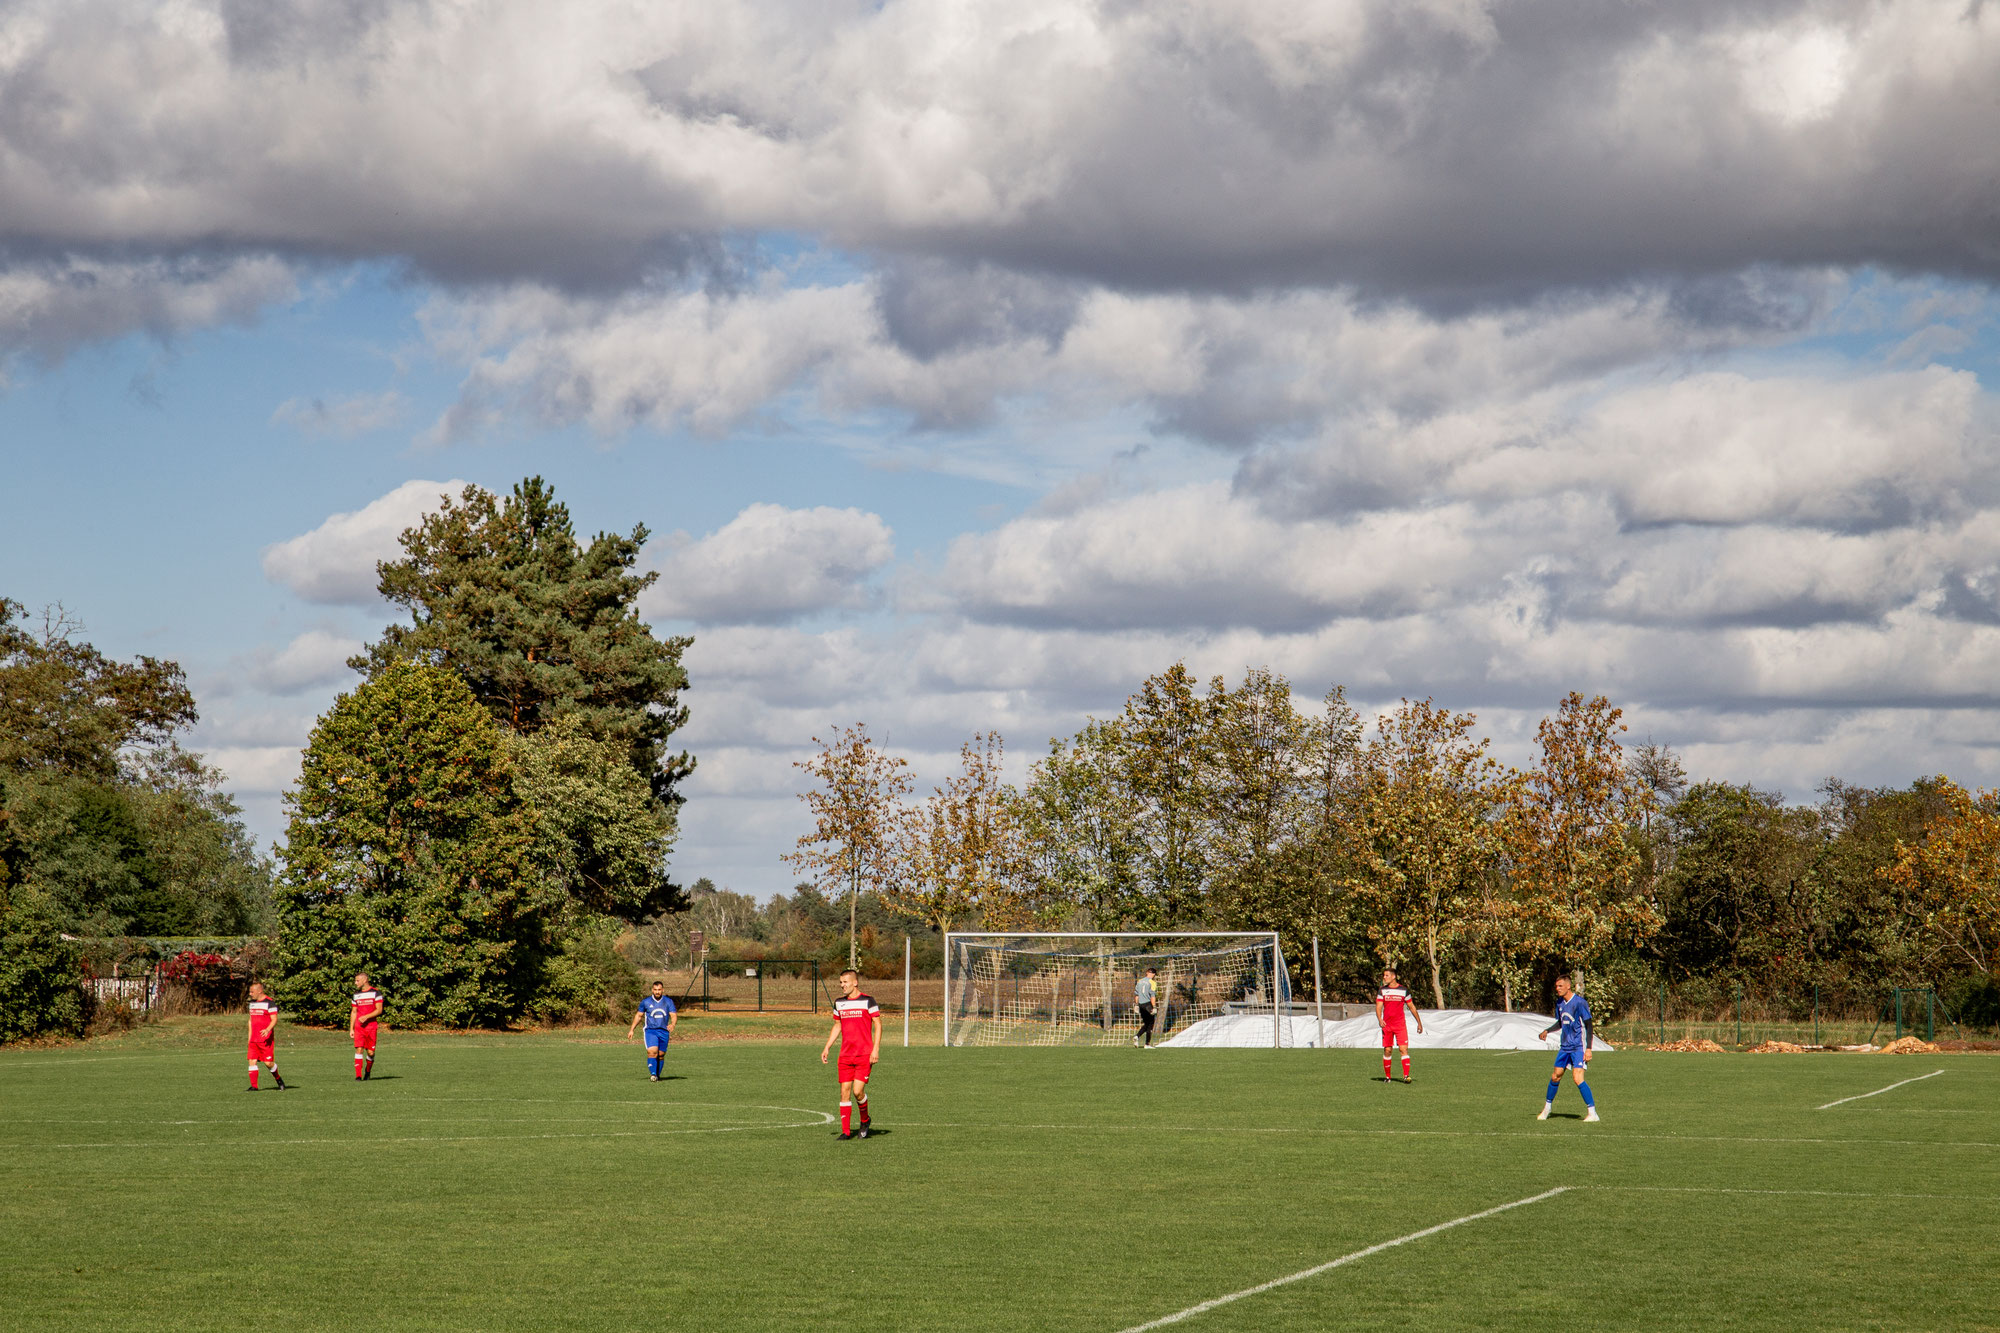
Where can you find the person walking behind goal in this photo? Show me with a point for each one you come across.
(1145, 995)
(1573, 1052)
(857, 1022)
(263, 1036)
(361, 1020)
(1393, 1009)
(658, 1011)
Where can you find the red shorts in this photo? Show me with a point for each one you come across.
(1395, 1034)
(267, 1051)
(364, 1037)
(854, 1071)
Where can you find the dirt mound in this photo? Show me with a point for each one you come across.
(1910, 1046)
(1781, 1048)
(1688, 1044)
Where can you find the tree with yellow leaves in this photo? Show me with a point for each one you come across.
(853, 809)
(1428, 792)
(1952, 876)
(959, 851)
(1572, 857)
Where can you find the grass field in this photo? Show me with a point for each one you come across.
(539, 1181)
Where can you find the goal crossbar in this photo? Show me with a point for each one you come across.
(1037, 988)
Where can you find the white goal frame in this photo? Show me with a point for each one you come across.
(1214, 940)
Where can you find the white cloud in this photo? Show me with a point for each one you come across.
(770, 564)
(335, 562)
(314, 658)
(354, 414)
(49, 308)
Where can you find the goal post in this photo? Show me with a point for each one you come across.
(1074, 988)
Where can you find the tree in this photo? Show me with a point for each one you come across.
(66, 708)
(959, 851)
(1079, 831)
(599, 835)
(409, 856)
(853, 810)
(1427, 796)
(1570, 835)
(538, 625)
(1739, 853)
(1954, 876)
(1165, 765)
(39, 969)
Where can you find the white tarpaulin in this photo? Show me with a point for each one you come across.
(1444, 1030)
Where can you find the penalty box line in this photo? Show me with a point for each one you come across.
(1878, 1092)
(1341, 1262)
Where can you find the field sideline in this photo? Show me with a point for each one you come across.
(539, 1181)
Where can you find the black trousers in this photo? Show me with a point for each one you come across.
(1146, 1023)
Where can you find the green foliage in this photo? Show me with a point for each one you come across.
(410, 857)
(539, 626)
(588, 981)
(66, 708)
(39, 970)
(599, 835)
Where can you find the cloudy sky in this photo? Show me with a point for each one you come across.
(971, 359)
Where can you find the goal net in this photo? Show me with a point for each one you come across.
(1075, 989)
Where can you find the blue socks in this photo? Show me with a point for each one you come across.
(653, 1063)
(1588, 1100)
(1553, 1086)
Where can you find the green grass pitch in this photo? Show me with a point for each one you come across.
(539, 1182)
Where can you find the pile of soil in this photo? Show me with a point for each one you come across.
(1688, 1044)
(1782, 1048)
(1910, 1046)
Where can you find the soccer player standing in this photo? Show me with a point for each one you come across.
(263, 1036)
(1393, 1009)
(658, 1011)
(361, 1017)
(857, 1022)
(1573, 1052)
(1144, 995)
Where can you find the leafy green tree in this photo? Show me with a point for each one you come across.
(598, 834)
(1079, 830)
(1166, 763)
(39, 969)
(410, 856)
(539, 625)
(66, 708)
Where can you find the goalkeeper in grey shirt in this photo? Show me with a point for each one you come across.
(1143, 995)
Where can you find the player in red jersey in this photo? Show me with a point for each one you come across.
(857, 1022)
(263, 1036)
(361, 1016)
(1392, 1004)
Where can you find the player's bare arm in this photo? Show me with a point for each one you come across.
(831, 1038)
(875, 1047)
(1415, 1013)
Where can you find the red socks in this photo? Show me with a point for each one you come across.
(847, 1117)
(253, 1076)
(357, 1066)
(864, 1111)
(1406, 1066)
(1387, 1071)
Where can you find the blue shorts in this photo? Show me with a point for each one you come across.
(1567, 1059)
(656, 1037)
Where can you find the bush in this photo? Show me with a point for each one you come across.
(589, 981)
(41, 973)
(1974, 1002)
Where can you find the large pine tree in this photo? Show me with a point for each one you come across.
(538, 625)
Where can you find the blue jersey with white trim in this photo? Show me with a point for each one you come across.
(1573, 1016)
(657, 1009)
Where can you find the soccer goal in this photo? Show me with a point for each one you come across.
(1066, 988)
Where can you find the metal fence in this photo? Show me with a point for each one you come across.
(788, 985)
(1731, 1014)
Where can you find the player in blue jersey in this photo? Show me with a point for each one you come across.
(1573, 1053)
(658, 1012)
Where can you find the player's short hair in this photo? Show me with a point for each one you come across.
(1564, 976)
(1389, 972)
(659, 985)
(850, 972)
(1152, 971)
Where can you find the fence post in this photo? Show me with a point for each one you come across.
(1815, 1013)
(704, 983)
(1319, 999)
(1739, 1013)
(760, 987)
(906, 990)
(1930, 1014)
(1663, 1013)
(1899, 1013)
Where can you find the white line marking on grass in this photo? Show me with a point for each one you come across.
(823, 1118)
(1342, 1261)
(1879, 1091)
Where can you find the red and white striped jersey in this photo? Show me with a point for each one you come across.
(856, 1017)
(367, 1007)
(1393, 999)
(263, 1018)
